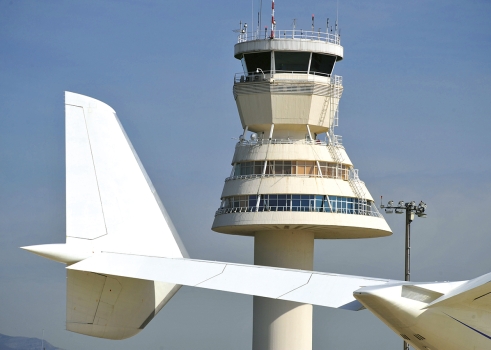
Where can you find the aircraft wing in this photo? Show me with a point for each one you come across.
(317, 288)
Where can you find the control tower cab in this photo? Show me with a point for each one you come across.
(291, 179)
(287, 82)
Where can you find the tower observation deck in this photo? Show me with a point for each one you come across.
(291, 180)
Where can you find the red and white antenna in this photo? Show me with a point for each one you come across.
(273, 22)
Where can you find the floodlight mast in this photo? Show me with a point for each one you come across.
(410, 208)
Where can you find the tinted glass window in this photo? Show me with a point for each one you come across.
(292, 61)
(322, 63)
(258, 60)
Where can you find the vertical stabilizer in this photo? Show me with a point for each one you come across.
(111, 204)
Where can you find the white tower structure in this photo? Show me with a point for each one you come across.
(292, 180)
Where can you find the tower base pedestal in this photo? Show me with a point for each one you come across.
(278, 324)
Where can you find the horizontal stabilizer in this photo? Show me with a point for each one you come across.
(317, 288)
(60, 252)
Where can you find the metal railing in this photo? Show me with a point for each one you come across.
(282, 75)
(341, 175)
(366, 210)
(299, 34)
(260, 142)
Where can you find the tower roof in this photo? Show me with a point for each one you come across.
(291, 40)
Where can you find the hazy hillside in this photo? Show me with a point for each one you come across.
(23, 343)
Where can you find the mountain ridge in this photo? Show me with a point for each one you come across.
(24, 343)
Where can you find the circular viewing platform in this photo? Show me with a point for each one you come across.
(290, 40)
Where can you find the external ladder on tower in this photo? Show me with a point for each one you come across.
(357, 187)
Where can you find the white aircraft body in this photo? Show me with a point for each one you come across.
(125, 260)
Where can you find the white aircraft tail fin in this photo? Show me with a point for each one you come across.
(111, 204)
(475, 292)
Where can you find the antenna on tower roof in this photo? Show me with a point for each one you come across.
(273, 22)
(337, 10)
(260, 16)
(337, 15)
(258, 24)
(252, 17)
(238, 30)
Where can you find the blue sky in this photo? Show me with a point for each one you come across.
(415, 120)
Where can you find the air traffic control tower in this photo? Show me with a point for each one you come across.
(291, 181)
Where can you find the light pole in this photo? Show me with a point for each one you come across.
(410, 208)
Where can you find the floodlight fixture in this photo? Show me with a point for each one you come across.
(422, 206)
(260, 70)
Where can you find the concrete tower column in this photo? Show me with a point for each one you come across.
(278, 324)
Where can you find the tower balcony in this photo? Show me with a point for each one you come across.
(261, 149)
(290, 40)
(288, 76)
(360, 222)
(298, 34)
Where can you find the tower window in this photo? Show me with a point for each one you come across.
(258, 60)
(298, 203)
(306, 168)
(322, 63)
(292, 61)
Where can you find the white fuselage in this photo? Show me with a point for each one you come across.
(404, 308)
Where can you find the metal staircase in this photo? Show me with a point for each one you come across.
(324, 109)
(336, 92)
(357, 186)
(335, 144)
(331, 101)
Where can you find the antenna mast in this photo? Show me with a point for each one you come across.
(337, 15)
(252, 17)
(273, 22)
(260, 16)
